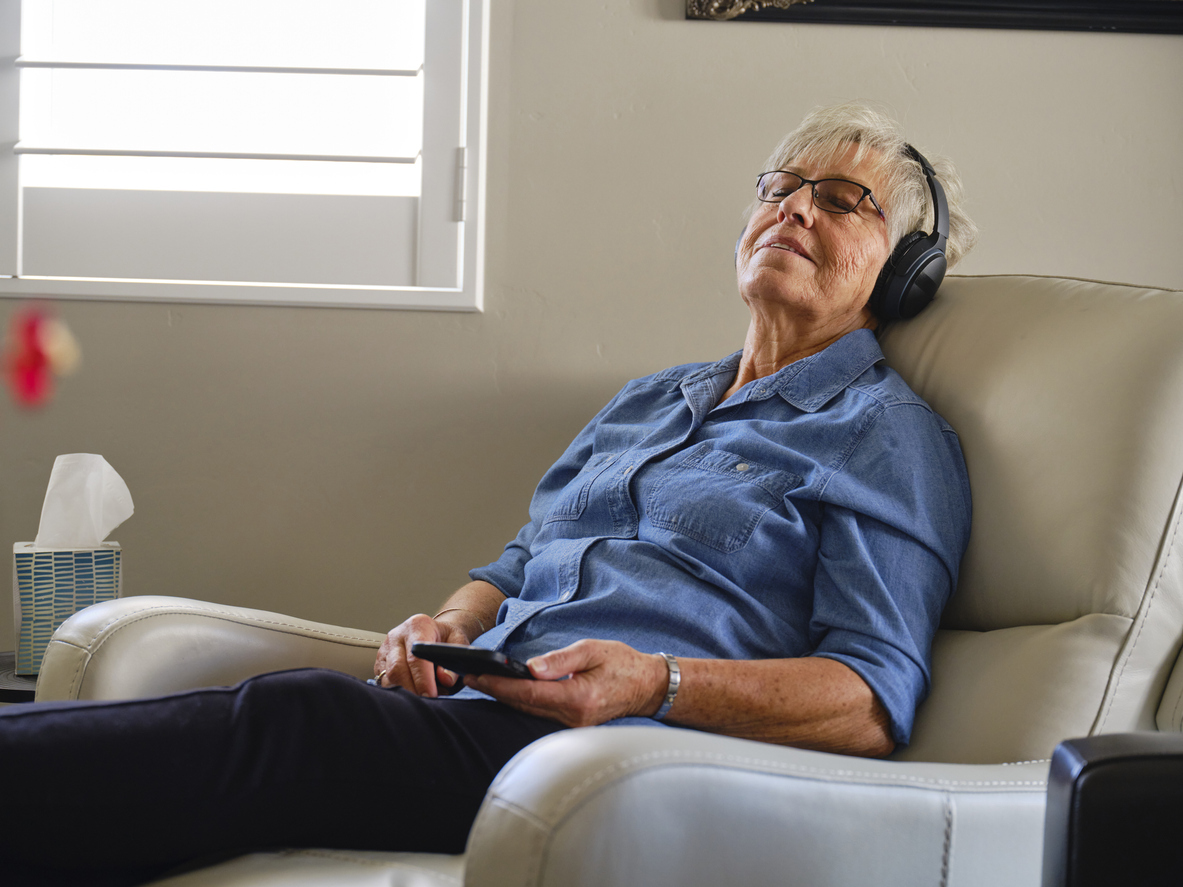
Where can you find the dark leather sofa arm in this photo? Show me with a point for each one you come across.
(1115, 811)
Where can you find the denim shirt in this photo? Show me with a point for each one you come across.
(820, 511)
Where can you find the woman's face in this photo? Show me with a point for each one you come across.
(815, 264)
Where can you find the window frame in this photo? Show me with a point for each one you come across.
(453, 170)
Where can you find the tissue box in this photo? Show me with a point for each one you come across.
(50, 585)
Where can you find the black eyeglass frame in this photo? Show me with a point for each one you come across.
(813, 189)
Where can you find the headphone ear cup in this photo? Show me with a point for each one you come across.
(926, 273)
(885, 298)
(910, 279)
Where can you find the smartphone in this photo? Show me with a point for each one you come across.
(472, 660)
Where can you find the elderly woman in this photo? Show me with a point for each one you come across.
(760, 546)
(767, 542)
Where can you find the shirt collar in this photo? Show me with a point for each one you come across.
(811, 382)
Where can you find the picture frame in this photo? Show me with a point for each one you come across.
(1129, 16)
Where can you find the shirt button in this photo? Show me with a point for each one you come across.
(742, 466)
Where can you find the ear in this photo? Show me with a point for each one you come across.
(738, 241)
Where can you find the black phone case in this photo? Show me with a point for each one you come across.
(471, 660)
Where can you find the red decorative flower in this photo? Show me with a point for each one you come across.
(38, 347)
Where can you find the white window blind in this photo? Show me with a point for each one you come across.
(268, 151)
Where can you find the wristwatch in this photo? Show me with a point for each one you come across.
(672, 690)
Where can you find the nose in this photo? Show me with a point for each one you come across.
(797, 206)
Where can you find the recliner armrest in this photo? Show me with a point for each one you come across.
(606, 806)
(149, 645)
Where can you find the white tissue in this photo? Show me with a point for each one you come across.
(85, 501)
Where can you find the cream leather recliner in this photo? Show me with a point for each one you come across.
(1068, 396)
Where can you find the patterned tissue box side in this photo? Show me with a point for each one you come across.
(51, 586)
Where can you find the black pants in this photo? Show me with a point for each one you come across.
(309, 758)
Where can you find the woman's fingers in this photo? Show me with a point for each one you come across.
(398, 666)
(603, 680)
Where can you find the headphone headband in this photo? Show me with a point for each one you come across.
(940, 204)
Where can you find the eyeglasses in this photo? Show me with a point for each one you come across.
(838, 196)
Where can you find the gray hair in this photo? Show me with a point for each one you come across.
(826, 133)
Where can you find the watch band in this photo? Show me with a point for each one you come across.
(672, 690)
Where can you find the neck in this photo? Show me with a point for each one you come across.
(771, 345)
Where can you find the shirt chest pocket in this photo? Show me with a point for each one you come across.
(717, 498)
(572, 500)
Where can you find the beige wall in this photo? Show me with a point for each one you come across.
(349, 466)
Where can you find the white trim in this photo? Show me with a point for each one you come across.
(23, 62)
(22, 148)
(10, 192)
(476, 77)
(238, 293)
(441, 237)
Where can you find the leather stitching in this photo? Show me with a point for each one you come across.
(268, 624)
(672, 758)
(947, 850)
(123, 621)
(543, 830)
(522, 812)
(1152, 597)
(76, 678)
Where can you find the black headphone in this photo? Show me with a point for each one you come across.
(917, 266)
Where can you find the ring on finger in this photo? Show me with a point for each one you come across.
(376, 680)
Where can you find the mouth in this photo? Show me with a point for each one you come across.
(785, 244)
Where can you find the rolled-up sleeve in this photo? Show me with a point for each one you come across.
(896, 519)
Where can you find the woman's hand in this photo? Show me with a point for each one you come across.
(603, 680)
(465, 616)
(396, 666)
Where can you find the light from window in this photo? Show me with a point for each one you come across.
(71, 102)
